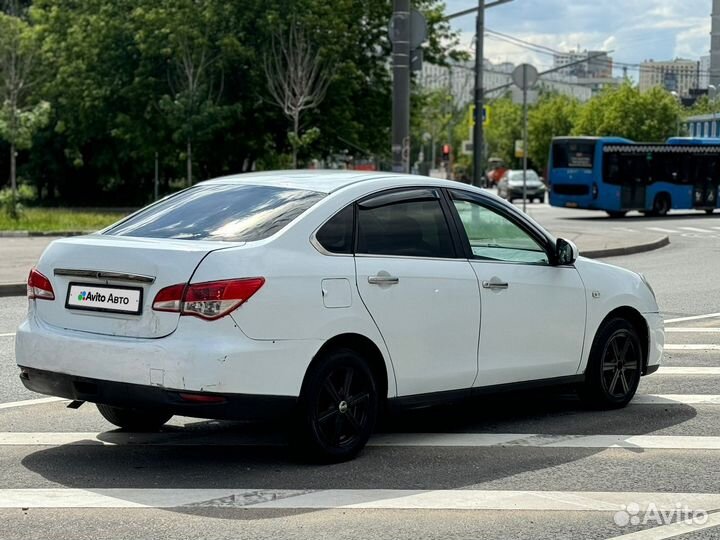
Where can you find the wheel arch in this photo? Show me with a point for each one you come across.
(363, 345)
(635, 318)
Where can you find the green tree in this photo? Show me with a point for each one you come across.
(504, 129)
(21, 113)
(553, 116)
(625, 112)
(433, 113)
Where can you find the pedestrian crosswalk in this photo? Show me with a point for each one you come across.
(563, 459)
(686, 231)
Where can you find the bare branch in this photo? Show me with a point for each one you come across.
(297, 76)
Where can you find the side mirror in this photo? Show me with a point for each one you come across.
(566, 252)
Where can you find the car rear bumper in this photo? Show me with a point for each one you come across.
(224, 406)
(199, 356)
(531, 192)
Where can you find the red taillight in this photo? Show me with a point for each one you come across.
(39, 287)
(210, 300)
(169, 298)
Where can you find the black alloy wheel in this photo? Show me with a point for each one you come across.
(621, 363)
(338, 408)
(614, 367)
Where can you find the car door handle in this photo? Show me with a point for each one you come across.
(495, 285)
(383, 280)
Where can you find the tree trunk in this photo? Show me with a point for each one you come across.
(13, 173)
(296, 142)
(189, 163)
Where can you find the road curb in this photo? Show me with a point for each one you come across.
(13, 289)
(627, 250)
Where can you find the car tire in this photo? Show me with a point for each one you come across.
(337, 409)
(134, 419)
(614, 367)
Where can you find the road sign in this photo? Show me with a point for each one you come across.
(519, 148)
(524, 76)
(485, 115)
(418, 28)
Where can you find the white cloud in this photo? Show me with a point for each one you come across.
(634, 31)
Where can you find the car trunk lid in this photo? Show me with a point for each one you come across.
(113, 281)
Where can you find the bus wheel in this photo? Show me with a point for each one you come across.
(661, 205)
(709, 210)
(614, 214)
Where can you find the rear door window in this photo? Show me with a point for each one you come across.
(404, 224)
(224, 212)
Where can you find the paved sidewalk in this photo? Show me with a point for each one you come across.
(19, 254)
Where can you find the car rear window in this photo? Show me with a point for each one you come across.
(518, 175)
(225, 212)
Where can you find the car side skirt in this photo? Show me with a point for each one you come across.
(421, 401)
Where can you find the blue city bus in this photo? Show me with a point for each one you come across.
(618, 175)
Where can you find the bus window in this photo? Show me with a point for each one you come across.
(611, 169)
(573, 154)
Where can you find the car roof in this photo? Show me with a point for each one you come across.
(326, 181)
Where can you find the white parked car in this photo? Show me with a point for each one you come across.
(327, 298)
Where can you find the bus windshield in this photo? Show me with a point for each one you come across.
(573, 154)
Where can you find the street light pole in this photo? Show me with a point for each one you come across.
(479, 97)
(401, 86)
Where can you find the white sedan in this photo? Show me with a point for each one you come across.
(327, 298)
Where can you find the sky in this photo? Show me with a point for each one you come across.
(635, 30)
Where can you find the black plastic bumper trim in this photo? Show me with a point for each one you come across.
(137, 396)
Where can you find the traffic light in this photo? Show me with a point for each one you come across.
(446, 152)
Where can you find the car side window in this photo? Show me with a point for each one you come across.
(337, 234)
(405, 224)
(493, 237)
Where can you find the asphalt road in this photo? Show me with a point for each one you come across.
(562, 471)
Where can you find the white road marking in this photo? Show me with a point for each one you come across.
(693, 318)
(660, 229)
(11, 334)
(467, 440)
(691, 347)
(700, 370)
(695, 229)
(692, 330)
(676, 399)
(410, 499)
(25, 402)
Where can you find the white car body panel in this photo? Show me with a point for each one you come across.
(535, 328)
(608, 288)
(426, 328)
(200, 356)
(166, 261)
(412, 313)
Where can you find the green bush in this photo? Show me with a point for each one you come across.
(12, 205)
